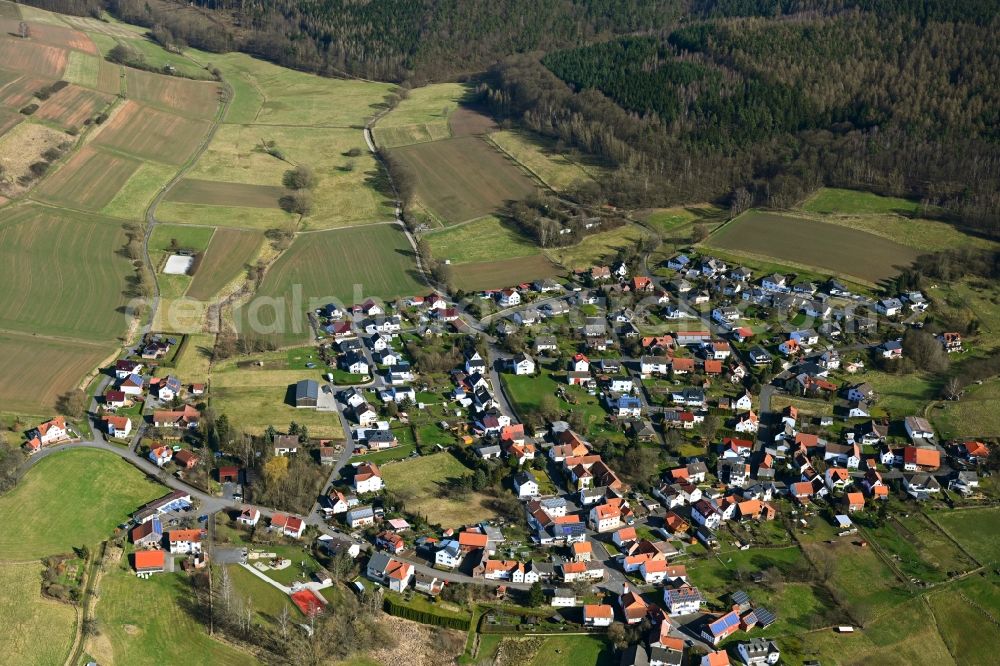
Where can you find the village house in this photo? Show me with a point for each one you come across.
(598, 615)
(148, 534)
(289, 526)
(184, 542)
(918, 428)
(390, 572)
(161, 455)
(359, 516)
(186, 418)
(684, 600)
(920, 458)
(249, 516)
(149, 561)
(367, 478)
(119, 427)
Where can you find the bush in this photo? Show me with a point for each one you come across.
(30, 109)
(301, 177)
(299, 202)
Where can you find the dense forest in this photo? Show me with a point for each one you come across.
(689, 100)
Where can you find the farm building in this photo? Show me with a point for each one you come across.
(306, 394)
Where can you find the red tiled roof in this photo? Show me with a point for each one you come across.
(149, 559)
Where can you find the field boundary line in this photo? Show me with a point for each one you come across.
(490, 142)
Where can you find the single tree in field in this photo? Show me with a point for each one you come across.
(301, 177)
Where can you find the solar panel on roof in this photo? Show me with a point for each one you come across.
(724, 623)
(740, 597)
(764, 617)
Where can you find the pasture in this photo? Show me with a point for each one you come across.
(20, 147)
(138, 192)
(192, 190)
(81, 287)
(487, 239)
(464, 178)
(152, 134)
(975, 415)
(345, 193)
(33, 630)
(156, 56)
(800, 241)
(150, 622)
(978, 530)
(227, 216)
(834, 201)
(226, 258)
(60, 36)
(73, 105)
(194, 362)
(273, 95)
(76, 184)
(348, 265)
(79, 495)
(32, 57)
(596, 248)
(66, 361)
(420, 482)
(668, 222)
(498, 274)
(539, 156)
(197, 99)
(422, 116)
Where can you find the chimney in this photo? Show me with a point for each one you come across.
(624, 589)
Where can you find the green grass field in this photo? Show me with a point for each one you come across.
(267, 599)
(226, 258)
(596, 248)
(978, 530)
(74, 184)
(194, 362)
(150, 622)
(823, 246)
(78, 495)
(137, 193)
(830, 200)
(255, 398)
(34, 630)
(463, 178)
(558, 650)
(975, 415)
(258, 219)
(670, 221)
(484, 240)
(81, 286)
(418, 481)
(155, 56)
(920, 549)
(273, 95)
(349, 264)
(539, 156)
(527, 391)
(970, 637)
(344, 193)
(421, 117)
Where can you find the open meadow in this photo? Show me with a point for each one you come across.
(150, 622)
(978, 530)
(33, 630)
(79, 495)
(272, 95)
(844, 251)
(80, 290)
(420, 117)
(463, 178)
(420, 483)
(596, 248)
(138, 191)
(255, 398)
(539, 156)
(346, 173)
(192, 190)
(348, 265)
(93, 71)
(484, 240)
(32, 57)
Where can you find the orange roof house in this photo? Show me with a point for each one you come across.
(922, 458)
(148, 561)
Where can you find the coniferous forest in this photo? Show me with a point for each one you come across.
(689, 100)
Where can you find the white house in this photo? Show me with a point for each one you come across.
(598, 615)
(118, 426)
(522, 364)
(890, 307)
(250, 516)
(449, 555)
(367, 479)
(683, 600)
(525, 484)
(161, 455)
(759, 651)
(185, 542)
(918, 427)
(747, 423)
(509, 298)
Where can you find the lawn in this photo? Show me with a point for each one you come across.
(978, 530)
(152, 622)
(419, 482)
(33, 630)
(267, 599)
(346, 171)
(559, 651)
(969, 634)
(900, 395)
(596, 248)
(484, 240)
(78, 495)
(813, 244)
(227, 257)
(831, 200)
(79, 293)
(348, 265)
(463, 178)
(498, 274)
(422, 116)
(975, 415)
(539, 156)
(527, 391)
